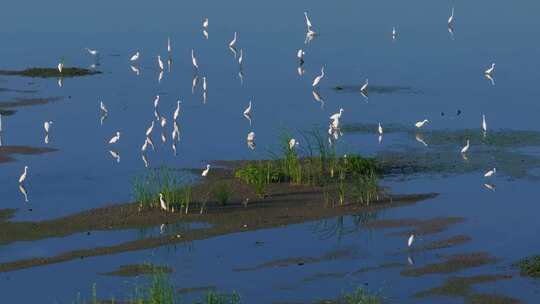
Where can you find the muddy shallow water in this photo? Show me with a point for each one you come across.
(467, 237)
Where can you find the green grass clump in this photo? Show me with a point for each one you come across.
(530, 266)
(360, 296)
(222, 192)
(216, 298)
(176, 189)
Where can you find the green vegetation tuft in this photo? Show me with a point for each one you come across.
(530, 266)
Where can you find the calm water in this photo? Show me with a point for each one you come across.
(444, 71)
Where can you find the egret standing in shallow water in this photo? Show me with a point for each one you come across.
(300, 55)
(380, 129)
(394, 33)
(465, 148)
(451, 19)
(115, 138)
(194, 60)
(420, 124)
(177, 111)
(150, 129)
(162, 202)
(204, 84)
(205, 23)
(318, 78)
(47, 125)
(490, 70)
(160, 63)
(60, 66)
(205, 172)
(247, 111)
(364, 88)
(23, 175)
(293, 143)
(484, 124)
(156, 102)
(490, 173)
(251, 136)
(134, 57)
(410, 241)
(337, 116)
(169, 48)
(103, 108)
(232, 44)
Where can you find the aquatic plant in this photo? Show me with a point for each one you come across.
(529, 266)
(222, 192)
(175, 187)
(360, 296)
(217, 298)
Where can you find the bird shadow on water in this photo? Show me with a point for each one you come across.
(437, 152)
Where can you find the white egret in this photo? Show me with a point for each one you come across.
(115, 138)
(241, 76)
(92, 51)
(420, 124)
(465, 148)
(160, 63)
(205, 34)
(204, 84)
(205, 172)
(247, 111)
(115, 155)
(22, 178)
(410, 240)
(174, 148)
(156, 101)
(103, 108)
(150, 129)
(169, 48)
(490, 173)
(160, 76)
(163, 137)
(162, 202)
(46, 139)
(293, 143)
(176, 132)
(300, 55)
(484, 124)
(233, 42)
(194, 60)
(233, 50)
(163, 122)
(194, 82)
(300, 70)
(60, 66)
(490, 70)
(380, 129)
(364, 88)
(251, 136)
(145, 145)
(47, 125)
(177, 111)
(394, 33)
(205, 23)
(451, 19)
(241, 57)
(151, 143)
(145, 160)
(318, 78)
(135, 57)
(251, 145)
(337, 116)
(308, 21)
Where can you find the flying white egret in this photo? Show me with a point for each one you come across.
(205, 23)
(160, 63)
(364, 88)
(410, 240)
(103, 108)
(484, 124)
(251, 136)
(92, 52)
(47, 125)
(115, 138)
(293, 143)
(205, 172)
(490, 70)
(194, 60)
(156, 101)
(318, 78)
(169, 48)
(135, 57)
(115, 155)
(451, 19)
(22, 178)
(337, 116)
(150, 129)
(247, 111)
(465, 148)
(163, 122)
(162, 202)
(204, 84)
(421, 123)
(177, 111)
(490, 173)
(380, 129)
(233, 42)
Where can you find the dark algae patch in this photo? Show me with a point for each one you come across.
(50, 72)
(138, 270)
(461, 287)
(446, 243)
(530, 266)
(6, 152)
(416, 226)
(26, 102)
(453, 263)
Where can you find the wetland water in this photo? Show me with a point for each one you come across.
(470, 228)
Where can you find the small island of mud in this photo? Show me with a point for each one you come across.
(49, 72)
